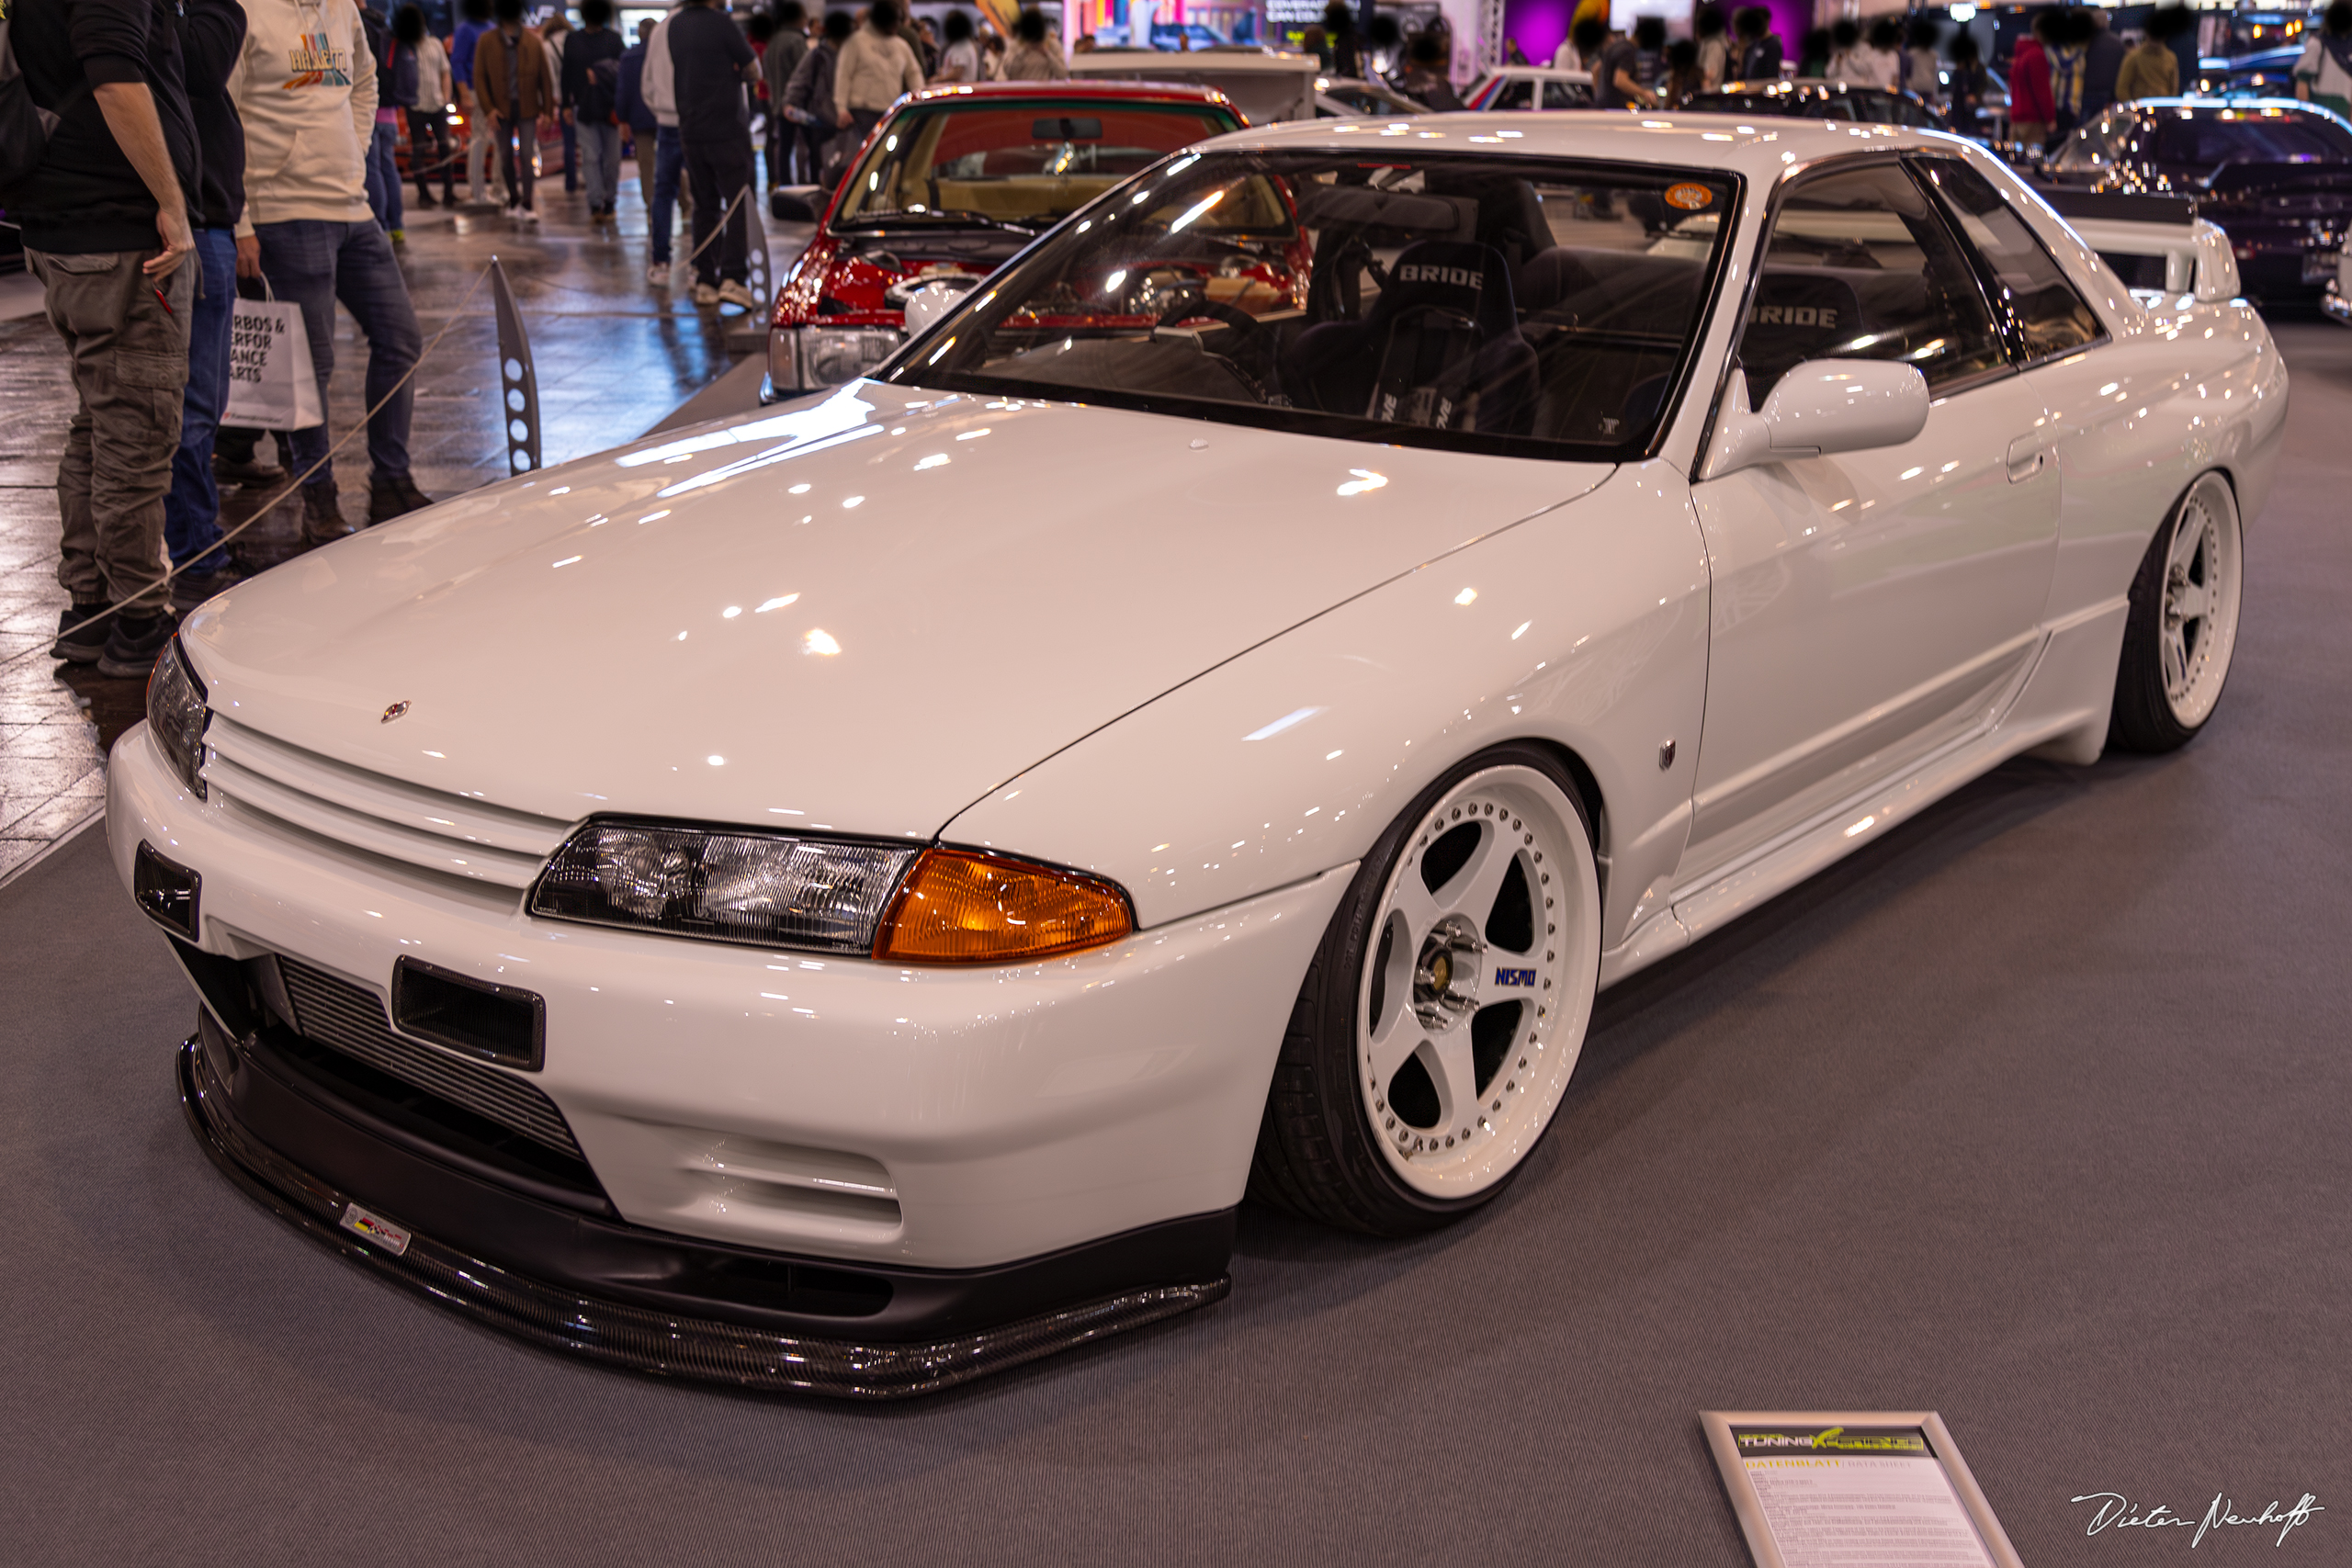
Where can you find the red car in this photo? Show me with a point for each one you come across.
(951, 184)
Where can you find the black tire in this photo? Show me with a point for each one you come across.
(1319, 1154)
(2166, 685)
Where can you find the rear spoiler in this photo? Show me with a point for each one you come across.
(2119, 207)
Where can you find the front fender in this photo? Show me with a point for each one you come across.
(1585, 628)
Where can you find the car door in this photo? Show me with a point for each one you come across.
(2111, 494)
(1869, 608)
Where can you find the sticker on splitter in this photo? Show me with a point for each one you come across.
(1689, 198)
(376, 1228)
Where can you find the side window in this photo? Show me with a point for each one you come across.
(1566, 95)
(2047, 315)
(1859, 268)
(2096, 146)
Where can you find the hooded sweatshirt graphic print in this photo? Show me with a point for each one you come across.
(305, 87)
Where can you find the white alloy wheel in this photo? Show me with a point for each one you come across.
(1472, 1007)
(2199, 626)
(2182, 628)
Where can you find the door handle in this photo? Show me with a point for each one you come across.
(2025, 455)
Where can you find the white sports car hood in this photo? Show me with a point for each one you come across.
(861, 615)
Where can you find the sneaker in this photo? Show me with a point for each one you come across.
(733, 293)
(529, 215)
(705, 294)
(657, 275)
(321, 516)
(393, 496)
(76, 643)
(190, 589)
(398, 236)
(247, 471)
(131, 646)
(424, 200)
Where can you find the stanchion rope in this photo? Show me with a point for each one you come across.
(171, 573)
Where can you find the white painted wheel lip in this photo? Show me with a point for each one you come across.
(1506, 1121)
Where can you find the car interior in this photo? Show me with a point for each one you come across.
(1017, 162)
(1471, 296)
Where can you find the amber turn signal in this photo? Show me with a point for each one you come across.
(956, 906)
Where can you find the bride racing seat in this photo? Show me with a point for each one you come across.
(1440, 347)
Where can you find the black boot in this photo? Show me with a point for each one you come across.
(133, 644)
(83, 646)
(394, 495)
(322, 521)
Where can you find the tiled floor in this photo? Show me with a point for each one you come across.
(613, 353)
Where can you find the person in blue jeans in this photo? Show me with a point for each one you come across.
(660, 88)
(396, 81)
(212, 33)
(313, 264)
(307, 231)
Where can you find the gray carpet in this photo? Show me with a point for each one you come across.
(2034, 1113)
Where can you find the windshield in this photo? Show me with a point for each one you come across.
(1365, 98)
(1030, 163)
(1510, 304)
(2206, 142)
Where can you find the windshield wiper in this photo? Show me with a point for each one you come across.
(959, 216)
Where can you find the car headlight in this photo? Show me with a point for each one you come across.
(176, 714)
(830, 356)
(898, 904)
(766, 889)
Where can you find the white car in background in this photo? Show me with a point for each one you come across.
(1530, 87)
(853, 896)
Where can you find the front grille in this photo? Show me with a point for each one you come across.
(454, 835)
(341, 1015)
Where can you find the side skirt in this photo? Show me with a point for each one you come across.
(2061, 709)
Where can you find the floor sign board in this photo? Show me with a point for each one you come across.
(1817, 1488)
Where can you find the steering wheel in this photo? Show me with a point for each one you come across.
(1195, 301)
(1247, 354)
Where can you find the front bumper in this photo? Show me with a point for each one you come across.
(813, 1107)
(616, 1294)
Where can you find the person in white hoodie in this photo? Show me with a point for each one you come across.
(659, 85)
(305, 87)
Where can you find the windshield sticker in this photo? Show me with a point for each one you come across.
(1689, 198)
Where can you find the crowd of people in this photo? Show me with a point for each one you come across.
(199, 147)
(204, 148)
(2067, 69)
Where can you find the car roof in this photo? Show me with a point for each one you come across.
(1758, 146)
(1537, 73)
(1074, 87)
(1777, 84)
(2233, 107)
(1221, 61)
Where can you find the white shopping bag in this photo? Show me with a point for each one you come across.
(272, 384)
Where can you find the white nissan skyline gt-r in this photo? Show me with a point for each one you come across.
(853, 896)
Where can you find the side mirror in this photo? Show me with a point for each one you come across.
(1821, 406)
(796, 204)
(932, 300)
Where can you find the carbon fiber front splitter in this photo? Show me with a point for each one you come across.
(622, 1335)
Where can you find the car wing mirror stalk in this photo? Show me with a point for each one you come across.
(1821, 406)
